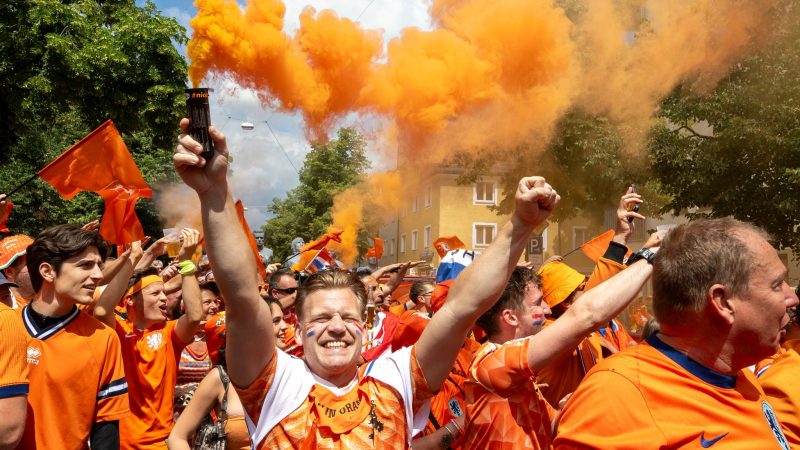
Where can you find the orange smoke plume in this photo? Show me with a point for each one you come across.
(366, 205)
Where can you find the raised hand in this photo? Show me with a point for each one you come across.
(625, 215)
(196, 172)
(535, 200)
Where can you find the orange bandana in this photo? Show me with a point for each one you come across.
(143, 283)
(340, 414)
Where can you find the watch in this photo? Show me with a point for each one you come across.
(645, 254)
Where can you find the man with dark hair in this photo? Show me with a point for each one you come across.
(721, 299)
(283, 287)
(151, 344)
(326, 400)
(504, 405)
(78, 391)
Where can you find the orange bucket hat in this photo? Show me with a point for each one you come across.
(12, 248)
(558, 281)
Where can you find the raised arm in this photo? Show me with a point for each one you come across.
(479, 286)
(116, 287)
(250, 339)
(591, 311)
(189, 323)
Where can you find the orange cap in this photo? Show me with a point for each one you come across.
(410, 328)
(558, 281)
(439, 295)
(13, 247)
(215, 335)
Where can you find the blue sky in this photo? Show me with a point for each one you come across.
(260, 168)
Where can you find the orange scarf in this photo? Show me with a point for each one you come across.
(339, 414)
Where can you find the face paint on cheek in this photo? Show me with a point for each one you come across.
(359, 328)
(538, 319)
(310, 333)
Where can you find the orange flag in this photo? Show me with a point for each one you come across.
(4, 213)
(377, 250)
(306, 254)
(101, 163)
(597, 246)
(446, 243)
(262, 271)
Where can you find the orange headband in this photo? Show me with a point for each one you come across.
(143, 283)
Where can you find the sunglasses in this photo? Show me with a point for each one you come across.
(288, 291)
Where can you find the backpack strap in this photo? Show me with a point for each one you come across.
(225, 382)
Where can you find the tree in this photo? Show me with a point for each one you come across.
(65, 67)
(746, 163)
(329, 168)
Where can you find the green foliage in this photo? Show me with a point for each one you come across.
(585, 161)
(329, 168)
(748, 164)
(66, 67)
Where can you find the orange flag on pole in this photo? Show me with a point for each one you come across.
(376, 251)
(597, 246)
(306, 255)
(262, 271)
(101, 163)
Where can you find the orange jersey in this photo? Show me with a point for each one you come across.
(283, 411)
(14, 373)
(77, 379)
(151, 366)
(450, 402)
(505, 409)
(654, 396)
(779, 381)
(398, 309)
(564, 375)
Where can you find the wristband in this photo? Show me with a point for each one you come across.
(457, 427)
(186, 268)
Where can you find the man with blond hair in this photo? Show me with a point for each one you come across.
(326, 400)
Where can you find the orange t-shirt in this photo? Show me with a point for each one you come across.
(653, 396)
(14, 375)
(280, 410)
(77, 379)
(151, 367)
(779, 381)
(505, 409)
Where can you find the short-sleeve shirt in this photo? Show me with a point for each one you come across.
(14, 372)
(278, 406)
(151, 365)
(505, 409)
(780, 383)
(76, 379)
(653, 396)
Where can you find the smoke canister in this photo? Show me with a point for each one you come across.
(200, 118)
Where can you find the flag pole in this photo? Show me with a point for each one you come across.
(33, 177)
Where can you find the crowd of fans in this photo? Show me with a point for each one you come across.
(138, 352)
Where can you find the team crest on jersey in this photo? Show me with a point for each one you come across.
(154, 341)
(774, 425)
(33, 354)
(455, 408)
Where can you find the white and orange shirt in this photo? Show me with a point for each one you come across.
(288, 406)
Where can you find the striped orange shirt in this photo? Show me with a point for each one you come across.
(279, 410)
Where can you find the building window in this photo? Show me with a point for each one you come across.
(426, 236)
(483, 234)
(483, 193)
(414, 234)
(428, 196)
(402, 243)
(415, 205)
(391, 247)
(578, 236)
